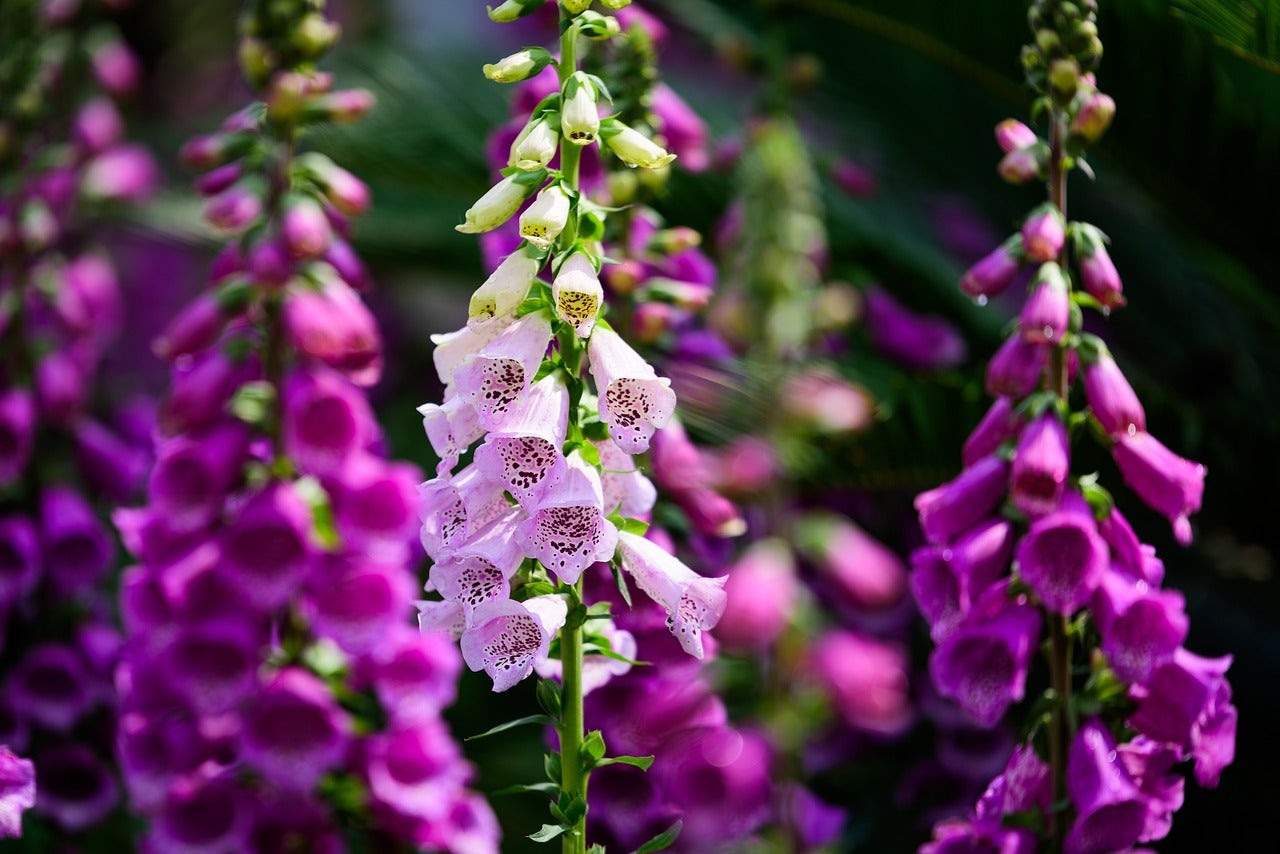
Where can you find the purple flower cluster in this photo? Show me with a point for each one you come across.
(1075, 561)
(63, 159)
(273, 691)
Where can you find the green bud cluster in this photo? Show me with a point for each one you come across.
(283, 34)
(1065, 47)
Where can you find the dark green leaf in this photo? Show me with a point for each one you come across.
(548, 693)
(592, 749)
(544, 788)
(531, 719)
(548, 832)
(641, 762)
(662, 840)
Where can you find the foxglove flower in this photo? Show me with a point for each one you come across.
(266, 548)
(534, 147)
(1111, 812)
(294, 730)
(1062, 558)
(1099, 277)
(525, 455)
(999, 425)
(542, 222)
(579, 116)
(624, 489)
(1111, 398)
(693, 603)
(17, 791)
(1168, 483)
(1141, 627)
(480, 571)
(867, 679)
(948, 510)
(1043, 234)
(1047, 311)
(577, 293)
(634, 401)
(504, 290)
(508, 638)
(760, 596)
(495, 207)
(567, 530)
(496, 377)
(634, 148)
(1014, 371)
(1040, 467)
(995, 272)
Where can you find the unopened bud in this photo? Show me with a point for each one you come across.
(234, 208)
(97, 125)
(575, 7)
(1012, 134)
(344, 106)
(1043, 234)
(513, 9)
(615, 4)
(1094, 117)
(315, 34)
(534, 147)
(995, 272)
(494, 207)
(651, 320)
(115, 66)
(1047, 311)
(633, 147)
(269, 263)
(542, 221)
(1064, 78)
(623, 277)
(344, 191)
(306, 230)
(256, 60)
(206, 152)
(669, 241)
(579, 117)
(1024, 164)
(519, 66)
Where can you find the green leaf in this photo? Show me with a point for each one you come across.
(543, 788)
(548, 832)
(641, 762)
(252, 402)
(592, 750)
(531, 719)
(551, 765)
(639, 527)
(572, 808)
(662, 840)
(548, 693)
(621, 581)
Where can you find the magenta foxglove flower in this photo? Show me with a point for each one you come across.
(1047, 311)
(213, 666)
(1148, 765)
(17, 791)
(200, 389)
(267, 547)
(1014, 371)
(19, 559)
(508, 638)
(634, 401)
(722, 781)
(998, 426)
(493, 379)
(1168, 483)
(1111, 398)
(959, 836)
(109, 464)
(74, 787)
(78, 549)
(17, 432)
(993, 274)
(123, 173)
(202, 812)
(946, 582)
(1180, 698)
(860, 570)
(761, 595)
(948, 510)
(1141, 626)
(325, 421)
(1044, 234)
(294, 730)
(1040, 467)
(52, 687)
(868, 680)
(194, 472)
(524, 456)
(693, 603)
(1099, 277)
(567, 530)
(356, 602)
(334, 326)
(1111, 812)
(413, 775)
(1062, 558)
(97, 124)
(982, 665)
(1024, 784)
(413, 673)
(60, 384)
(196, 327)
(683, 129)
(1012, 134)
(918, 342)
(305, 228)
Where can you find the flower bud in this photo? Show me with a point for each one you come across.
(115, 66)
(575, 7)
(513, 9)
(519, 66)
(1043, 234)
(1047, 311)
(1014, 371)
(543, 220)
(343, 107)
(1064, 78)
(494, 207)
(534, 147)
(1097, 271)
(305, 228)
(633, 147)
(97, 124)
(1094, 117)
(314, 34)
(215, 149)
(762, 592)
(269, 263)
(201, 322)
(854, 179)
(1111, 398)
(504, 290)
(235, 208)
(651, 320)
(579, 116)
(213, 183)
(995, 272)
(124, 173)
(615, 4)
(61, 387)
(577, 293)
(1012, 135)
(1040, 467)
(1024, 164)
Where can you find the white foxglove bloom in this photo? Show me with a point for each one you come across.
(504, 290)
(518, 66)
(481, 570)
(496, 377)
(566, 530)
(634, 400)
(579, 116)
(543, 220)
(635, 148)
(453, 348)
(693, 603)
(534, 147)
(508, 638)
(577, 293)
(494, 207)
(451, 427)
(524, 456)
(455, 510)
(626, 490)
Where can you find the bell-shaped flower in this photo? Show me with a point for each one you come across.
(998, 426)
(375, 505)
(624, 488)
(868, 680)
(504, 290)
(634, 400)
(1047, 311)
(193, 473)
(946, 582)
(633, 147)
(74, 787)
(495, 207)
(496, 377)
(333, 325)
(948, 510)
(1062, 558)
(693, 603)
(454, 509)
(294, 730)
(520, 65)
(1141, 626)
(598, 670)
(762, 592)
(993, 273)
(20, 568)
(414, 773)
(325, 421)
(481, 570)
(441, 617)
(17, 432)
(916, 341)
(1168, 483)
(305, 229)
(200, 389)
(567, 530)
(61, 387)
(1111, 398)
(414, 674)
(982, 665)
(1014, 371)
(202, 812)
(525, 454)
(577, 293)
(78, 550)
(508, 638)
(1044, 234)
(355, 601)
(213, 666)
(451, 427)
(1111, 812)
(17, 792)
(453, 348)
(1026, 783)
(1041, 465)
(579, 116)
(862, 572)
(267, 546)
(1148, 764)
(535, 145)
(542, 222)
(1177, 700)
(1097, 271)
(52, 687)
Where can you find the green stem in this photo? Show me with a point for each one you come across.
(1059, 642)
(573, 778)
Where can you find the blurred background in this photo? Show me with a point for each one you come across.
(895, 101)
